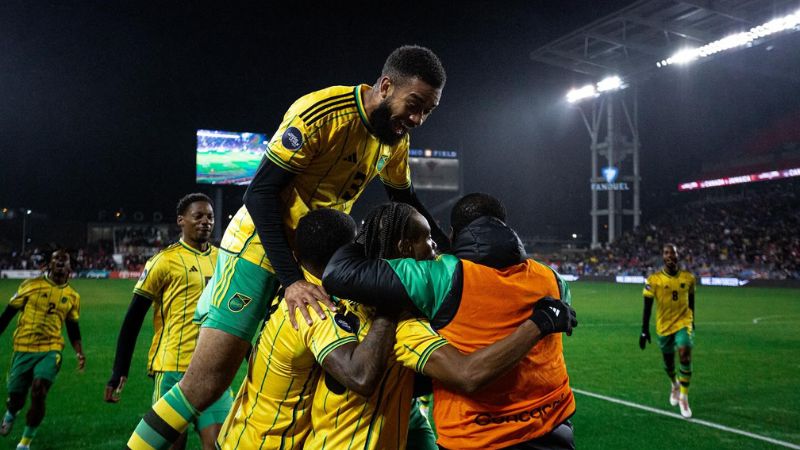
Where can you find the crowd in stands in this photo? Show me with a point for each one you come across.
(751, 235)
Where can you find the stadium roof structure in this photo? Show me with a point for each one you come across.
(622, 49)
(630, 42)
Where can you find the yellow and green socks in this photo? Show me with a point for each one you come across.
(27, 435)
(684, 377)
(169, 417)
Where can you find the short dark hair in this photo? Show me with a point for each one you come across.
(188, 199)
(411, 61)
(320, 233)
(383, 228)
(472, 206)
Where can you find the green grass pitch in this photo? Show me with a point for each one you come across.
(746, 361)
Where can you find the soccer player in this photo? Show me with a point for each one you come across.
(381, 420)
(474, 305)
(673, 291)
(47, 303)
(172, 282)
(330, 145)
(272, 407)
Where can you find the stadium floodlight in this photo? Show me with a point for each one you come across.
(608, 84)
(28, 212)
(745, 38)
(576, 95)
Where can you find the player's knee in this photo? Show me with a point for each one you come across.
(39, 390)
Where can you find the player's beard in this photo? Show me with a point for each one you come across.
(381, 121)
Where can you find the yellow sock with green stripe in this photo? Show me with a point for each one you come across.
(27, 435)
(169, 417)
(684, 377)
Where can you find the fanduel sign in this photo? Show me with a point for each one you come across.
(610, 174)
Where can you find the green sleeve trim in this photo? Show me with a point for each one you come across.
(281, 163)
(427, 282)
(333, 346)
(396, 186)
(146, 294)
(423, 359)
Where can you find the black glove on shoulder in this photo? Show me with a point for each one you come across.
(553, 316)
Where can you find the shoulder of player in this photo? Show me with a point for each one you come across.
(30, 282)
(315, 105)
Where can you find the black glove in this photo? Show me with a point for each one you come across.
(645, 336)
(553, 316)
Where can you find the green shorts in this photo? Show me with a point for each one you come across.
(237, 297)
(682, 338)
(214, 414)
(28, 366)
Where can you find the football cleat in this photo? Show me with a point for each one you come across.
(6, 427)
(675, 392)
(23, 447)
(683, 402)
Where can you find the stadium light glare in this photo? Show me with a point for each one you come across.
(28, 212)
(608, 84)
(743, 39)
(575, 95)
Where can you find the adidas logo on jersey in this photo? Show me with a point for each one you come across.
(193, 269)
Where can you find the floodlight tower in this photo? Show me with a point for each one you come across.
(613, 129)
(633, 43)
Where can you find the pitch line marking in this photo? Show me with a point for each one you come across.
(697, 421)
(758, 319)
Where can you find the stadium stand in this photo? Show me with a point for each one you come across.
(748, 235)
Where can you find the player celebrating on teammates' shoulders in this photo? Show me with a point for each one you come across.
(47, 303)
(173, 280)
(329, 146)
(673, 291)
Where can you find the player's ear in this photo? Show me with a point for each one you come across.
(404, 249)
(384, 85)
(179, 221)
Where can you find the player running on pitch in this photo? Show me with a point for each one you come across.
(47, 304)
(673, 291)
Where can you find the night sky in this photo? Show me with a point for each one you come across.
(99, 101)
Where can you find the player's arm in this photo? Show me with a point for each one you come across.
(349, 274)
(359, 366)
(6, 317)
(74, 335)
(409, 196)
(263, 202)
(469, 373)
(648, 308)
(126, 343)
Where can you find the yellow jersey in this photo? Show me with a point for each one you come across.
(173, 279)
(45, 306)
(671, 294)
(343, 419)
(325, 140)
(272, 407)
